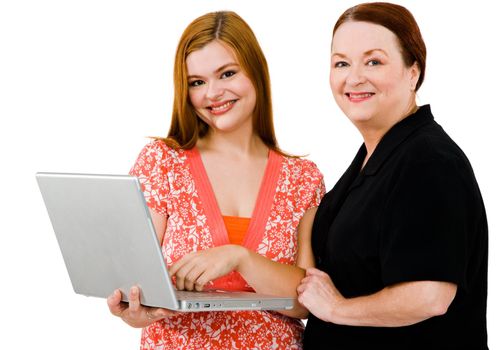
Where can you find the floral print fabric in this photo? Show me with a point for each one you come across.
(175, 185)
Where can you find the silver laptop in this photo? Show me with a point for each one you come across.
(107, 240)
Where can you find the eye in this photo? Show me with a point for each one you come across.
(373, 62)
(195, 83)
(227, 74)
(340, 64)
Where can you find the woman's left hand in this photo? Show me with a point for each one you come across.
(196, 269)
(319, 295)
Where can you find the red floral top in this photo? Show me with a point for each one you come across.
(175, 184)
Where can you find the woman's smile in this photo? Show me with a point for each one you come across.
(221, 107)
(357, 97)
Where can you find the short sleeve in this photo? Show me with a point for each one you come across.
(312, 187)
(151, 169)
(425, 223)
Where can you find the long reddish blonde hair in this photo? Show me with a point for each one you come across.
(230, 29)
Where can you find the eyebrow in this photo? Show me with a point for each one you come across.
(218, 70)
(367, 53)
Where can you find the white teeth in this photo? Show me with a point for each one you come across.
(225, 105)
(360, 95)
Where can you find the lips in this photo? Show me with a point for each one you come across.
(359, 96)
(222, 107)
(362, 95)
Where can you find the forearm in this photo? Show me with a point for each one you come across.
(396, 306)
(269, 277)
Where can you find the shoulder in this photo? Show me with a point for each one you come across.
(305, 175)
(431, 145)
(160, 152)
(159, 147)
(302, 167)
(431, 160)
(157, 157)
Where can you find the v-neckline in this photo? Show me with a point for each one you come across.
(261, 210)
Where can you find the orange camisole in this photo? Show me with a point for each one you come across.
(236, 228)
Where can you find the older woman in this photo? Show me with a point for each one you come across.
(401, 240)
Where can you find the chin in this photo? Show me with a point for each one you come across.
(360, 112)
(356, 115)
(226, 127)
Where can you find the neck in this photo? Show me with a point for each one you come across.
(240, 143)
(372, 134)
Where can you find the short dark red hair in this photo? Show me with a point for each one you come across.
(400, 22)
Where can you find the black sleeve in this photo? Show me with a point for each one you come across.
(423, 235)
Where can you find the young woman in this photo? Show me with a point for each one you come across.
(231, 210)
(401, 240)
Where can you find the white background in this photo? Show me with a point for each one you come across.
(82, 83)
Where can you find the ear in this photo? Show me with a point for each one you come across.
(414, 73)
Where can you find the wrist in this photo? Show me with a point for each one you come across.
(337, 312)
(241, 257)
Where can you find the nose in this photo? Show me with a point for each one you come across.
(215, 90)
(355, 75)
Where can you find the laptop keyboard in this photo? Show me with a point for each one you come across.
(214, 294)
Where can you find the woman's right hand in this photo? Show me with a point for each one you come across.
(133, 313)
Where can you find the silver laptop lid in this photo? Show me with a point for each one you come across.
(104, 232)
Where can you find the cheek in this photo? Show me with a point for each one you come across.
(397, 84)
(394, 88)
(252, 95)
(195, 96)
(335, 82)
(246, 89)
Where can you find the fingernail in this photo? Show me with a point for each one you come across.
(134, 290)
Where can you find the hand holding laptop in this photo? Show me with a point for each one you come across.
(134, 313)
